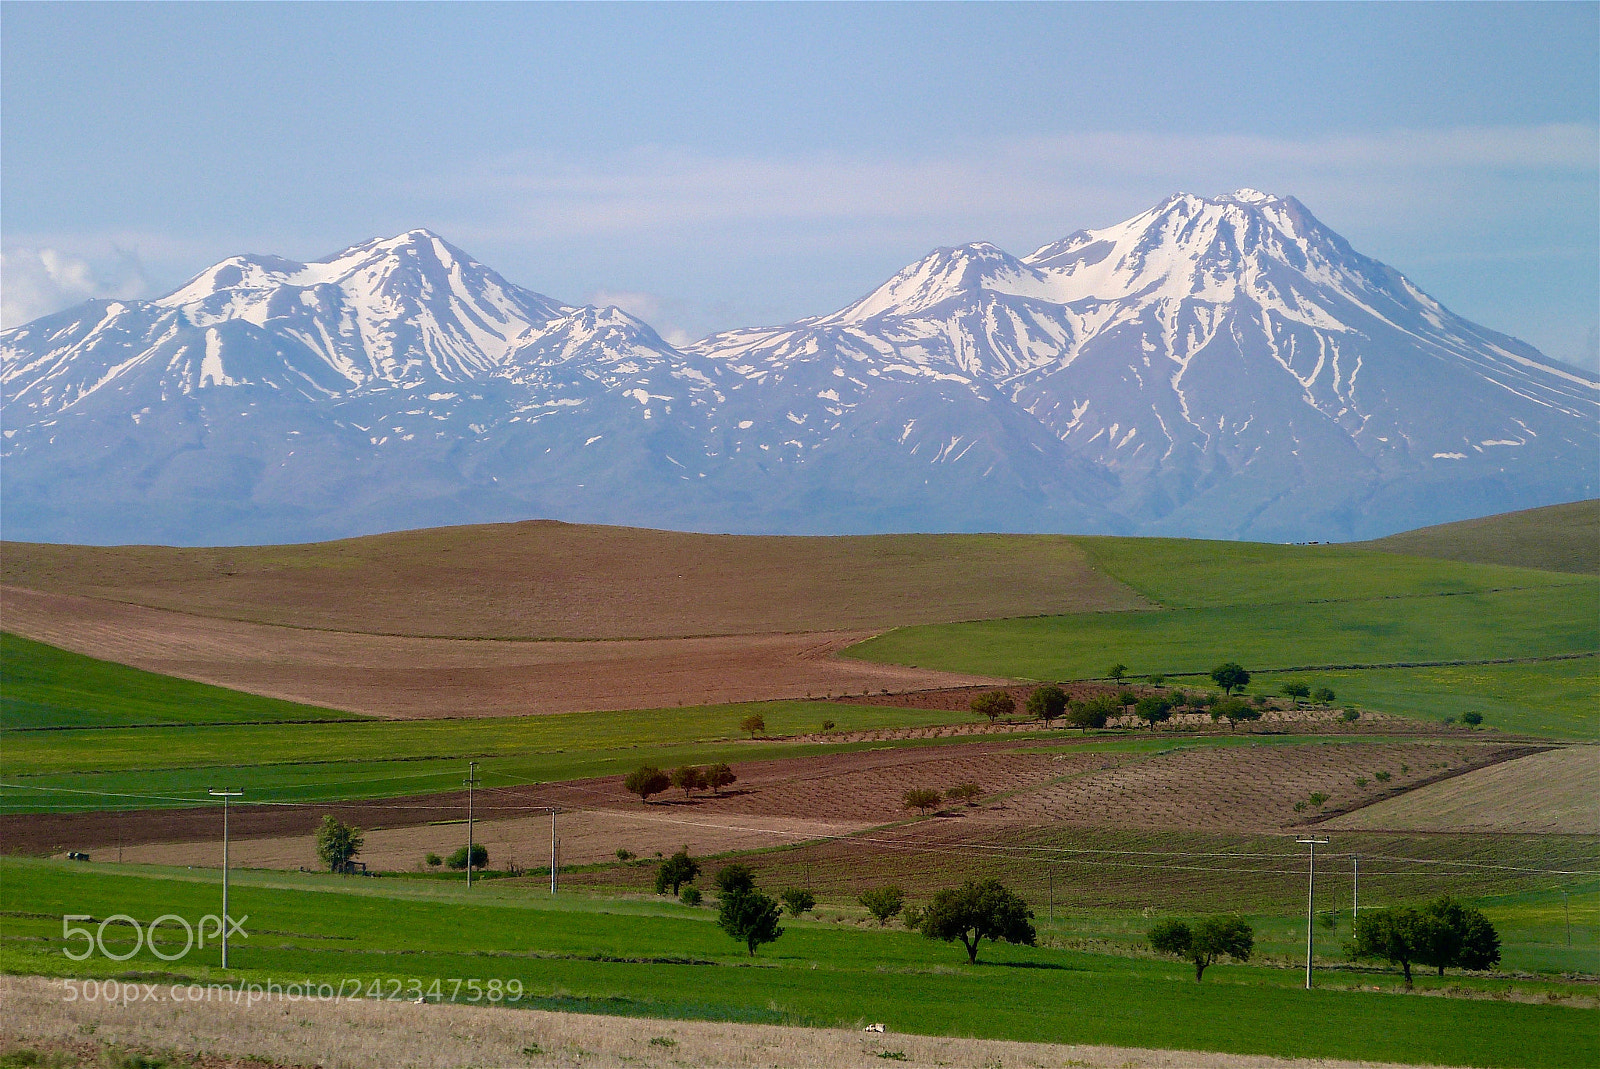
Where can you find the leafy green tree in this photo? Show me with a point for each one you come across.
(719, 776)
(1399, 935)
(1047, 702)
(688, 779)
(737, 878)
(994, 705)
(1116, 672)
(1468, 940)
(1234, 711)
(1092, 713)
(749, 916)
(645, 781)
(458, 860)
(1205, 942)
(883, 902)
(1126, 699)
(798, 900)
(922, 799)
(1230, 675)
(676, 871)
(976, 911)
(433, 860)
(964, 792)
(1154, 709)
(338, 843)
(1295, 690)
(1472, 720)
(691, 896)
(754, 724)
(1323, 695)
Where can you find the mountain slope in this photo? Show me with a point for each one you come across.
(1557, 538)
(1222, 367)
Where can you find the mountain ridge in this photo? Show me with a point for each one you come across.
(1216, 367)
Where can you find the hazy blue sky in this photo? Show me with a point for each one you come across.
(710, 166)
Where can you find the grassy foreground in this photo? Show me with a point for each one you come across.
(651, 958)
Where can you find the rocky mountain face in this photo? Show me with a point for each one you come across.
(1218, 367)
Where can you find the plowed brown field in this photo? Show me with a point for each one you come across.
(406, 677)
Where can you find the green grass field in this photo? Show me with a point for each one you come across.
(1562, 538)
(654, 958)
(1276, 608)
(45, 687)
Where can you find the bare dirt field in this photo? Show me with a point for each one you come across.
(586, 837)
(359, 1034)
(542, 579)
(403, 677)
(1557, 791)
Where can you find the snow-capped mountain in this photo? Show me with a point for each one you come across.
(1222, 367)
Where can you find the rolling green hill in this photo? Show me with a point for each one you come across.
(1559, 538)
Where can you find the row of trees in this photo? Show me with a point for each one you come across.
(1443, 934)
(647, 780)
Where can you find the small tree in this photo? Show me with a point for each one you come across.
(433, 860)
(798, 900)
(338, 843)
(1234, 711)
(1323, 695)
(691, 896)
(1472, 720)
(1205, 942)
(676, 871)
(737, 878)
(1397, 934)
(964, 792)
(1126, 699)
(1154, 709)
(977, 911)
(688, 779)
(994, 704)
(749, 916)
(921, 799)
(1116, 672)
(1351, 714)
(1295, 690)
(1466, 940)
(883, 902)
(1319, 798)
(754, 724)
(645, 781)
(719, 776)
(1092, 713)
(1230, 675)
(1047, 702)
(458, 860)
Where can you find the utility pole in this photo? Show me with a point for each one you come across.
(1355, 886)
(225, 795)
(1052, 895)
(1566, 911)
(472, 781)
(552, 850)
(1311, 890)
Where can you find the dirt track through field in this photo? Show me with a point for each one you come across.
(359, 1034)
(420, 677)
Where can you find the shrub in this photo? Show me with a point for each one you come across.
(337, 843)
(676, 871)
(798, 900)
(719, 776)
(1294, 690)
(691, 896)
(977, 911)
(645, 781)
(625, 855)
(1351, 714)
(737, 878)
(912, 917)
(1361, 781)
(994, 704)
(921, 799)
(754, 724)
(964, 792)
(1092, 713)
(1472, 720)
(1382, 777)
(883, 902)
(1154, 709)
(1323, 696)
(1318, 798)
(458, 860)
(1047, 702)
(433, 860)
(827, 726)
(1157, 679)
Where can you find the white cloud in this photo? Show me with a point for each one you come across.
(36, 282)
(661, 313)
